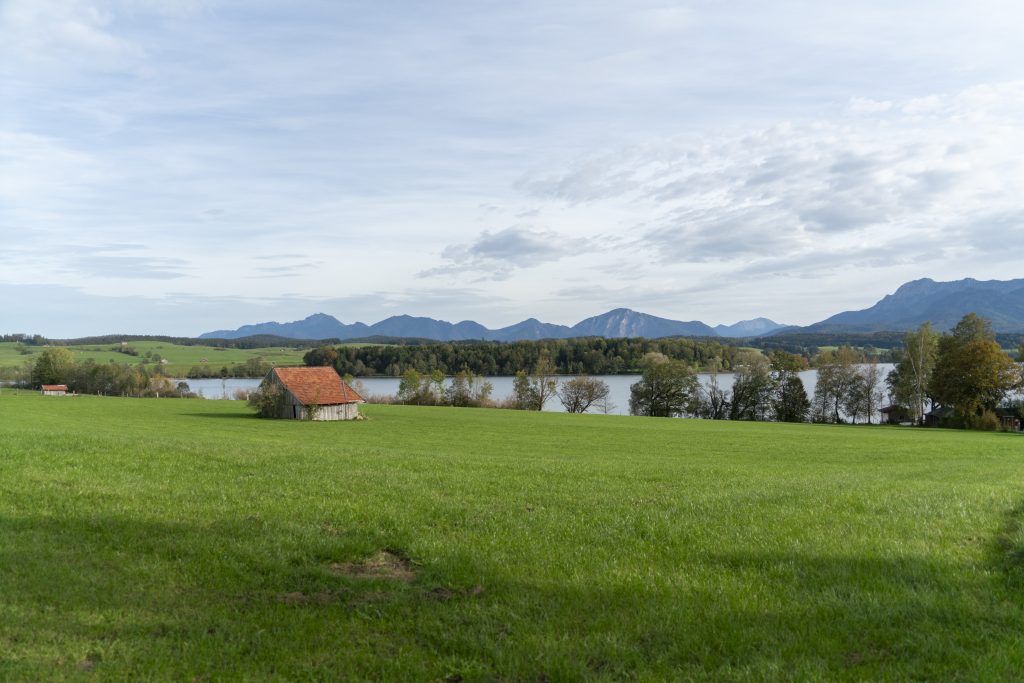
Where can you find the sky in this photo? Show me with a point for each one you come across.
(179, 167)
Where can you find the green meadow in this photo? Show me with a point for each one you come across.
(179, 358)
(146, 539)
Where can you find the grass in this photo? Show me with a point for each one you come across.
(179, 358)
(186, 540)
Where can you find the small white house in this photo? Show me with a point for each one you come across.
(55, 390)
(315, 392)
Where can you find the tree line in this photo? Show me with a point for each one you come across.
(584, 355)
(965, 370)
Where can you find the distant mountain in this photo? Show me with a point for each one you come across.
(942, 303)
(621, 322)
(758, 327)
(530, 329)
(408, 326)
(316, 326)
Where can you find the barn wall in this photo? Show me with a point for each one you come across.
(294, 410)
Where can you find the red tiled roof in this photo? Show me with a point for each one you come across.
(55, 387)
(316, 386)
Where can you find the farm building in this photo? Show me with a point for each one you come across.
(314, 393)
(55, 390)
(896, 415)
(1009, 420)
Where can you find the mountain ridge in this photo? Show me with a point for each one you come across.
(941, 303)
(619, 322)
(912, 303)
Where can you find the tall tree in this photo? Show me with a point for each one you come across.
(837, 380)
(666, 388)
(909, 380)
(865, 396)
(751, 389)
(972, 372)
(789, 397)
(544, 381)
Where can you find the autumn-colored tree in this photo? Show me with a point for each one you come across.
(972, 372)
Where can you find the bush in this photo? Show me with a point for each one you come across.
(267, 400)
(986, 422)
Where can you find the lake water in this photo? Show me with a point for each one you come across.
(618, 385)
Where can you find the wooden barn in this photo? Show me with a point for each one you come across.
(55, 390)
(315, 393)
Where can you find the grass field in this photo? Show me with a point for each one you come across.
(179, 358)
(186, 540)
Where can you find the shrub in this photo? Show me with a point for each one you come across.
(267, 400)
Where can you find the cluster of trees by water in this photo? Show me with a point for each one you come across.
(965, 371)
(58, 366)
(530, 391)
(964, 376)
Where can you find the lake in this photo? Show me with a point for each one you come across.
(618, 399)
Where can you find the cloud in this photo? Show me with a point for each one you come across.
(497, 254)
(127, 267)
(816, 187)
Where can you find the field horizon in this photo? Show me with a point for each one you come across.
(187, 539)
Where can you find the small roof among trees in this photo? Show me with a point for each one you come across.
(55, 387)
(316, 386)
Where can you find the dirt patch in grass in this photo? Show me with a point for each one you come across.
(442, 594)
(299, 598)
(382, 565)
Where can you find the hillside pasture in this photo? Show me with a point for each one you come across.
(187, 540)
(179, 357)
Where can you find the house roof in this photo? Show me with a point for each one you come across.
(317, 386)
(55, 387)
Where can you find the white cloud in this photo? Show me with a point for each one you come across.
(698, 159)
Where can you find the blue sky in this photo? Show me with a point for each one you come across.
(180, 167)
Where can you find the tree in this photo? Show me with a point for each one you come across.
(837, 381)
(789, 397)
(416, 389)
(532, 391)
(268, 400)
(866, 394)
(323, 356)
(713, 401)
(579, 393)
(972, 372)
(54, 366)
(468, 390)
(909, 380)
(667, 388)
(544, 381)
(751, 389)
(523, 395)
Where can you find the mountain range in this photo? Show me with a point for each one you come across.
(942, 303)
(620, 322)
